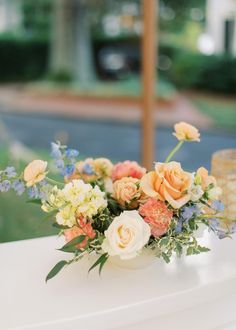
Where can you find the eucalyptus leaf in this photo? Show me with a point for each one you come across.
(165, 257)
(71, 245)
(34, 201)
(102, 259)
(56, 269)
(56, 225)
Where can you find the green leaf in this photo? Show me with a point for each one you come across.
(192, 224)
(101, 260)
(56, 269)
(164, 241)
(165, 257)
(56, 225)
(203, 249)
(71, 246)
(178, 248)
(190, 251)
(102, 263)
(34, 201)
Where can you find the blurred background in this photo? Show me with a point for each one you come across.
(71, 71)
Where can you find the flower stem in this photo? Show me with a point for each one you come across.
(172, 153)
(49, 180)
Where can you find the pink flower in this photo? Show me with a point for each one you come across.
(157, 215)
(127, 169)
(84, 229)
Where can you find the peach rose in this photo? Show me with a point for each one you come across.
(157, 215)
(168, 183)
(103, 167)
(85, 170)
(84, 229)
(186, 132)
(35, 172)
(127, 169)
(205, 178)
(126, 191)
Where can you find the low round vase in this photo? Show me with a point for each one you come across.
(143, 260)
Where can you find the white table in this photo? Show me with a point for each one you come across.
(195, 293)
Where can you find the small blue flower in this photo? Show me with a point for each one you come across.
(189, 211)
(214, 224)
(10, 172)
(233, 228)
(88, 169)
(55, 150)
(33, 192)
(217, 206)
(69, 169)
(222, 234)
(179, 226)
(60, 164)
(5, 185)
(19, 187)
(72, 153)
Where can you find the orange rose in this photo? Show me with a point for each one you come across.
(126, 191)
(168, 183)
(186, 132)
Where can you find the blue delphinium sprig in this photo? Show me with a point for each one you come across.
(217, 206)
(18, 186)
(64, 158)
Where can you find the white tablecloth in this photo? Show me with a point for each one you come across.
(197, 292)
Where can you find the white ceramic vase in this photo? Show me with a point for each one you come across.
(145, 259)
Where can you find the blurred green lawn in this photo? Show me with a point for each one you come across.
(19, 219)
(221, 110)
(121, 88)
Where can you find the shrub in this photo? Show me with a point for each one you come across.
(22, 60)
(213, 73)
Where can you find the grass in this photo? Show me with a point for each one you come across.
(122, 88)
(221, 110)
(19, 219)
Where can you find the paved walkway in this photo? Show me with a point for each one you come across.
(109, 138)
(20, 100)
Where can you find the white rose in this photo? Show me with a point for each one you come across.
(196, 193)
(214, 193)
(126, 236)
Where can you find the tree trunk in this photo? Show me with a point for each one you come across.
(71, 46)
(84, 70)
(62, 38)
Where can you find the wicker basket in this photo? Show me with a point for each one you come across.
(224, 170)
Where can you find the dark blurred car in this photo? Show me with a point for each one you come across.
(118, 61)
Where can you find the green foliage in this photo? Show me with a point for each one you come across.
(37, 17)
(194, 70)
(173, 243)
(56, 269)
(22, 59)
(100, 262)
(72, 245)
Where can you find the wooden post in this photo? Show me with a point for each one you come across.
(149, 51)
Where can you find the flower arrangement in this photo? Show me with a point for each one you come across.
(120, 209)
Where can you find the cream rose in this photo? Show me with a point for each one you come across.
(126, 236)
(126, 191)
(186, 132)
(35, 172)
(168, 183)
